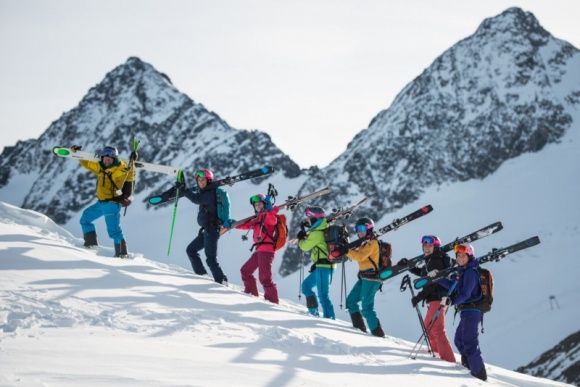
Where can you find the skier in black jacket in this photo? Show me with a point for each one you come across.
(435, 260)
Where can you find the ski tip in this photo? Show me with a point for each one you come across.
(419, 283)
(155, 200)
(428, 208)
(267, 169)
(60, 151)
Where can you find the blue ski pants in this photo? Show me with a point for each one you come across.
(112, 213)
(320, 278)
(207, 240)
(364, 292)
(467, 339)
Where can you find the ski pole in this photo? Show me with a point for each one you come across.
(179, 180)
(343, 284)
(134, 148)
(301, 275)
(406, 283)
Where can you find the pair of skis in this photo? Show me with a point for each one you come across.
(495, 255)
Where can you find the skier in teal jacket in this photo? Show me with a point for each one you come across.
(322, 269)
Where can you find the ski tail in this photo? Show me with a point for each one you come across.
(395, 224)
(341, 213)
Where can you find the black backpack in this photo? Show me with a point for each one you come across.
(385, 261)
(334, 236)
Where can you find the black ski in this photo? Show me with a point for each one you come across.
(291, 203)
(395, 224)
(344, 213)
(411, 263)
(169, 195)
(494, 255)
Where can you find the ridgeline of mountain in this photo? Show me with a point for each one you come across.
(560, 363)
(133, 99)
(505, 90)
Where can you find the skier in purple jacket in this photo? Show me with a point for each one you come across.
(467, 290)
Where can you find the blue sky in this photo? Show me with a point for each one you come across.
(313, 72)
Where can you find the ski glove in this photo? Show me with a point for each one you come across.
(432, 273)
(341, 250)
(312, 268)
(134, 156)
(415, 300)
(180, 186)
(403, 262)
(75, 148)
(446, 301)
(301, 235)
(228, 223)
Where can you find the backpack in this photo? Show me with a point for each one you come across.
(385, 253)
(280, 232)
(334, 236)
(223, 205)
(484, 302)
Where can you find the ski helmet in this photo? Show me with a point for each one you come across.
(204, 173)
(364, 225)
(431, 240)
(315, 212)
(257, 199)
(109, 151)
(465, 248)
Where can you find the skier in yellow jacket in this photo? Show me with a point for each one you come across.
(111, 173)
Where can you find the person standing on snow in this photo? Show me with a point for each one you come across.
(263, 226)
(435, 260)
(322, 269)
(365, 289)
(467, 289)
(111, 173)
(212, 215)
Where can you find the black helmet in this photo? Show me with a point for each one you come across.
(364, 225)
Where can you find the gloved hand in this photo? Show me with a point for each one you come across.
(312, 268)
(341, 250)
(403, 262)
(75, 148)
(446, 301)
(180, 186)
(301, 235)
(432, 273)
(268, 203)
(133, 156)
(415, 300)
(228, 223)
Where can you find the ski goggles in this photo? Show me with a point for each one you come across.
(430, 240)
(361, 228)
(108, 153)
(203, 174)
(464, 249)
(314, 213)
(257, 199)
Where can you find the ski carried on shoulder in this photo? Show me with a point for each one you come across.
(411, 263)
(494, 255)
(344, 213)
(95, 156)
(395, 224)
(291, 203)
(169, 195)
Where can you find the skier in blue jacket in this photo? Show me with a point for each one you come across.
(213, 214)
(467, 290)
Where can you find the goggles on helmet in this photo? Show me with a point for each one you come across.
(108, 152)
(314, 213)
(257, 199)
(361, 228)
(464, 249)
(201, 174)
(431, 240)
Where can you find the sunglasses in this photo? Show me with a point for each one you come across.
(108, 153)
(462, 249)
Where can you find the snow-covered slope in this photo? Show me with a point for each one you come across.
(69, 317)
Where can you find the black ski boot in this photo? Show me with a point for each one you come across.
(482, 374)
(121, 250)
(465, 362)
(91, 239)
(358, 322)
(378, 331)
